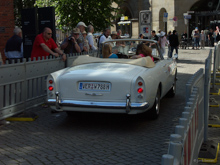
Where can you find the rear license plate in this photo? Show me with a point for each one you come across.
(94, 86)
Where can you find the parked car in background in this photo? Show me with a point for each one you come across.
(122, 85)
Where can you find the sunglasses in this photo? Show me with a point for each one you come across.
(49, 33)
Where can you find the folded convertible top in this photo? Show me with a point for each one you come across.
(85, 59)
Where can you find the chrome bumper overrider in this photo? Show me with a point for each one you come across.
(128, 106)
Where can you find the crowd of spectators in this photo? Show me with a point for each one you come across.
(82, 39)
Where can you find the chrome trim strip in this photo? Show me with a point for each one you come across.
(107, 105)
(94, 94)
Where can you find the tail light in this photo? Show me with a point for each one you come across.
(140, 90)
(50, 88)
(140, 87)
(140, 83)
(50, 81)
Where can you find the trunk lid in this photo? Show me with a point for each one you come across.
(77, 83)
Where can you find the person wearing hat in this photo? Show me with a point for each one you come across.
(44, 44)
(81, 26)
(114, 35)
(163, 42)
(70, 44)
(174, 43)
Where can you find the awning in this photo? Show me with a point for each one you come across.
(124, 22)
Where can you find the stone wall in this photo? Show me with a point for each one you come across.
(7, 23)
(173, 8)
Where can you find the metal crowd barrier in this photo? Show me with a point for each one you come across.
(23, 86)
(185, 144)
(215, 68)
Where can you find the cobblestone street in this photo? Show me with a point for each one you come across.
(101, 139)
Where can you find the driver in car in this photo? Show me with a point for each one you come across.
(143, 51)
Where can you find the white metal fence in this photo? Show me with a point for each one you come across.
(185, 144)
(22, 85)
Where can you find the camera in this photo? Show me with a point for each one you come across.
(69, 38)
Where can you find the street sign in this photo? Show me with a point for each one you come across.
(175, 18)
(187, 16)
(145, 22)
(165, 15)
(145, 17)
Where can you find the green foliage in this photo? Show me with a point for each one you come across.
(98, 13)
(18, 6)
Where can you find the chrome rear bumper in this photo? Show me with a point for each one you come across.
(128, 106)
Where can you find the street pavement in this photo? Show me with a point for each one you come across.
(101, 139)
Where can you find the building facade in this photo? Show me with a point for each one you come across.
(203, 14)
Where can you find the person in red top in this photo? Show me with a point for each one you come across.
(143, 51)
(44, 44)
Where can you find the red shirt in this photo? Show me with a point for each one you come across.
(37, 50)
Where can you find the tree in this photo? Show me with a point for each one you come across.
(18, 6)
(98, 13)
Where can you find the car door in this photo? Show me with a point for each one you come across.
(166, 75)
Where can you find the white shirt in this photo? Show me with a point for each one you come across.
(102, 39)
(91, 41)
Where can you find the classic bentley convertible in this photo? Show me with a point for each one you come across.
(119, 85)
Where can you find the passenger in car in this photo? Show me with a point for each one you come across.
(107, 51)
(143, 51)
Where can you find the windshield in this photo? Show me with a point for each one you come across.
(126, 48)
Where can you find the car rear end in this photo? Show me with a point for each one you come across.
(99, 88)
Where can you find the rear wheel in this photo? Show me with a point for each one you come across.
(172, 91)
(155, 110)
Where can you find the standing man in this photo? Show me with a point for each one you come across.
(210, 37)
(119, 33)
(44, 44)
(196, 39)
(174, 43)
(14, 47)
(70, 45)
(81, 26)
(202, 39)
(154, 36)
(103, 38)
(153, 45)
(90, 37)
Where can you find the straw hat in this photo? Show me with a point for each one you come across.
(76, 31)
(114, 33)
(162, 33)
